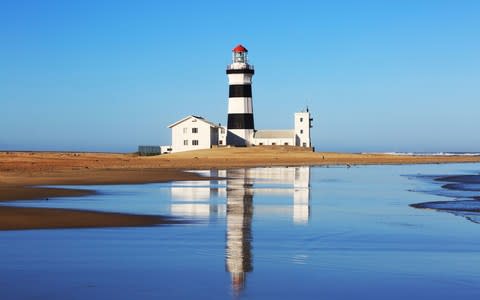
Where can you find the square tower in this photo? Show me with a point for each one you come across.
(303, 123)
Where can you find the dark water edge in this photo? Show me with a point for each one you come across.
(463, 189)
(466, 179)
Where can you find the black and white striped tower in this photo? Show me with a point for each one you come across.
(240, 126)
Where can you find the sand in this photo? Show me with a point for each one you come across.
(21, 172)
(16, 218)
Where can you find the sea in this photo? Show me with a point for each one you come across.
(360, 232)
(427, 153)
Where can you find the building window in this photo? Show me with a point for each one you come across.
(185, 142)
(195, 142)
(301, 119)
(301, 130)
(286, 144)
(185, 130)
(194, 130)
(304, 144)
(260, 144)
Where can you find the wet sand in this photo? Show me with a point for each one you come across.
(16, 218)
(21, 172)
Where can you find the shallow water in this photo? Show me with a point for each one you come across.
(274, 233)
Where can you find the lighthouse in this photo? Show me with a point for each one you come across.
(240, 127)
(195, 132)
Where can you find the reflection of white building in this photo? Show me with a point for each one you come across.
(301, 195)
(282, 179)
(191, 190)
(241, 186)
(194, 199)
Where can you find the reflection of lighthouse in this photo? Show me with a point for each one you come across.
(196, 199)
(239, 228)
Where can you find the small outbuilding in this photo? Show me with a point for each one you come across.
(274, 137)
(149, 150)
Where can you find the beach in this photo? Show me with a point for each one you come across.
(22, 172)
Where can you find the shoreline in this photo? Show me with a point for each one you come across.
(17, 187)
(27, 175)
(27, 218)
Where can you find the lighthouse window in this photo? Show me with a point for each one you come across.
(301, 130)
(194, 130)
(195, 142)
(301, 119)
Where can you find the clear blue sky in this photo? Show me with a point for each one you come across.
(110, 75)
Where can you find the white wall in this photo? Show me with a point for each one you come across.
(302, 129)
(240, 136)
(222, 136)
(277, 141)
(166, 149)
(183, 131)
(239, 78)
(240, 105)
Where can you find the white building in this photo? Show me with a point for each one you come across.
(300, 136)
(194, 133)
(303, 123)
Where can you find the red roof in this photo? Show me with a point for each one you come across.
(239, 48)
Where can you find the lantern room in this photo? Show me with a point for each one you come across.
(239, 54)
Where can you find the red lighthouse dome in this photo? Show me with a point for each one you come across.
(239, 48)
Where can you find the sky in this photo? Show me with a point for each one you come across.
(111, 75)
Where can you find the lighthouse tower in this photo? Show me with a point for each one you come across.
(240, 126)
